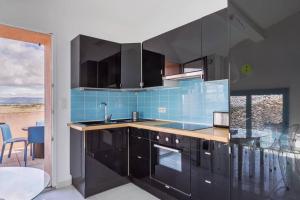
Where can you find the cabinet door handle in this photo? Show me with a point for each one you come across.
(207, 181)
(166, 148)
(207, 153)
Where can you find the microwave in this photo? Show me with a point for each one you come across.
(221, 119)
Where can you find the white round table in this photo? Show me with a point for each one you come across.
(22, 182)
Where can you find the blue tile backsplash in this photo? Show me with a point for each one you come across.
(192, 101)
(86, 105)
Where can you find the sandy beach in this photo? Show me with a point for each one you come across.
(20, 116)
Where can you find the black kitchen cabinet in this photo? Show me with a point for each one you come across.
(88, 73)
(199, 46)
(152, 68)
(139, 153)
(99, 159)
(210, 170)
(110, 147)
(109, 72)
(131, 59)
(177, 49)
(97, 63)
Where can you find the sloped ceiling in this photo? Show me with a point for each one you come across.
(268, 12)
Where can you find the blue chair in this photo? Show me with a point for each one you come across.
(35, 136)
(7, 139)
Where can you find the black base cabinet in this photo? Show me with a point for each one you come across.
(168, 166)
(139, 167)
(142, 170)
(99, 160)
(210, 170)
(139, 153)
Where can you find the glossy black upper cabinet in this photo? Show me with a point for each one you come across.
(131, 65)
(174, 50)
(153, 66)
(200, 46)
(109, 72)
(97, 63)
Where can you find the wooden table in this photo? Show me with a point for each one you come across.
(22, 182)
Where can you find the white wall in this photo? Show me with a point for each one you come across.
(120, 21)
(275, 61)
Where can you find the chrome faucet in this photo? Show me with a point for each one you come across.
(107, 117)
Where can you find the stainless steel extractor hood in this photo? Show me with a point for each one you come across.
(196, 74)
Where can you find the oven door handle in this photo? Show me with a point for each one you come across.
(166, 148)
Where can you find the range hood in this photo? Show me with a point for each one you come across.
(187, 75)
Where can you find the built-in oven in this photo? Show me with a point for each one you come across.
(171, 162)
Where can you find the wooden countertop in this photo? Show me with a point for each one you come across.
(216, 134)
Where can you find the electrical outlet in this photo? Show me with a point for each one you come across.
(162, 110)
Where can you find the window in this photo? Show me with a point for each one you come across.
(259, 109)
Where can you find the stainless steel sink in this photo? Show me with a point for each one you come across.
(95, 123)
(116, 121)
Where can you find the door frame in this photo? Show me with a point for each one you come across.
(45, 39)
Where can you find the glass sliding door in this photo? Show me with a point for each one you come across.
(259, 110)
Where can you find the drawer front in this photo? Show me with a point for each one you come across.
(139, 147)
(140, 133)
(174, 193)
(139, 166)
(202, 184)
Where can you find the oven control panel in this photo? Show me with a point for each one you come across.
(168, 139)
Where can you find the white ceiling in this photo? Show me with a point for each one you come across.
(127, 19)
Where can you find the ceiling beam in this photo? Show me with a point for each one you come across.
(242, 22)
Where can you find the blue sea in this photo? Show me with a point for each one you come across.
(21, 100)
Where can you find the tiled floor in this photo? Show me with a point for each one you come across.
(125, 192)
(17, 160)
